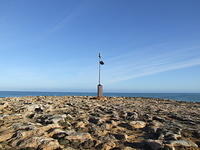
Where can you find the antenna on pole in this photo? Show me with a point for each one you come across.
(99, 86)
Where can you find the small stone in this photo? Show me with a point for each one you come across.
(93, 120)
(40, 142)
(168, 147)
(158, 119)
(39, 110)
(120, 136)
(5, 136)
(79, 136)
(172, 136)
(131, 115)
(80, 124)
(88, 144)
(59, 135)
(183, 143)
(69, 117)
(49, 144)
(148, 117)
(196, 134)
(138, 124)
(50, 119)
(4, 105)
(109, 145)
(129, 148)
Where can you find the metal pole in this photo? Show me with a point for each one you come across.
(99, 86)
(99, 71)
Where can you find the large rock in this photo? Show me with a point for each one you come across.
(94, 120)
(58, 134)
(24, 126)
(4, 136)
(131, 115)
(35, 108)
(138, 124)
(50, 119)
(185, 143)
(120, 136)
(3, 105)
(78, 137)
(39, 143)
(154, 144)
(107, 146)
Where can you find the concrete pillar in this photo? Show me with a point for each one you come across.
(99, 90)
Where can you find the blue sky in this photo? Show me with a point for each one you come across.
(147, 46)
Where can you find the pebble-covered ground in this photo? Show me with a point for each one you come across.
(71, 122)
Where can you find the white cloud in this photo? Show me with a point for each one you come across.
(137, 65)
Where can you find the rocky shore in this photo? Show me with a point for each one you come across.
(111, 123)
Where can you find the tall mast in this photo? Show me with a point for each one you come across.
(99, 69)
(99, 86)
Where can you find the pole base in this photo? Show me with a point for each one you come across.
(99, 90)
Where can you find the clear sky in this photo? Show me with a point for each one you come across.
(147, 45)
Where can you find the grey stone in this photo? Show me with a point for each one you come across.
(183, 143)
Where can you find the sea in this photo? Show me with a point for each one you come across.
(190, 97)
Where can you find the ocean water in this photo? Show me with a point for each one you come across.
(192, 97)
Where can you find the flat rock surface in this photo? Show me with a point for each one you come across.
(110, 123)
